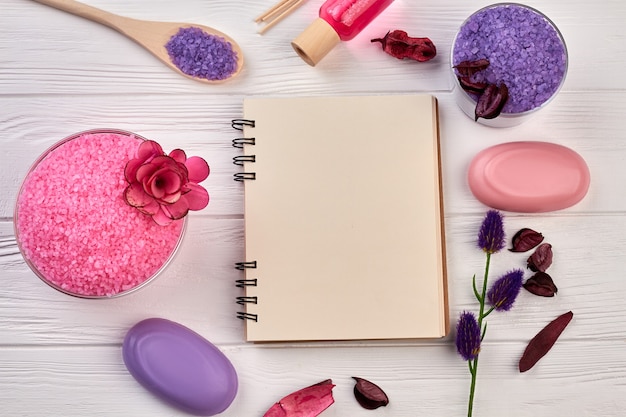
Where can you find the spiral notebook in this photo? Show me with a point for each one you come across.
(344, 231)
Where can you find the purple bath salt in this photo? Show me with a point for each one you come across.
(202, 55)
(524, 50)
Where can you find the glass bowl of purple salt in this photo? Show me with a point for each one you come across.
(508, 61)
(74, 227)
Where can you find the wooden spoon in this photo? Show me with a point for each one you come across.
(151, 35)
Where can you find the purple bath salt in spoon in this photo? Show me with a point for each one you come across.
(195, 51)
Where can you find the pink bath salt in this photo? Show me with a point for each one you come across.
(74, 226)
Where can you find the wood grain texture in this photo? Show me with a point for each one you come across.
(93, 381)
(149, 34)
(61, 356)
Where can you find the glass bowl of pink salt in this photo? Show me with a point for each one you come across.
(74, 227)
(508, 62)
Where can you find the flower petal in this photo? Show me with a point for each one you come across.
(541, 284)
(197, 197)
(369, 395)
(306, 402)
(526, 239)
(145, 171)
(172, 182)
(178, 210)
(171, 198)
(148, 149)
(164, 182)
(130, 171)
(178, 155)
(164, 161)
(541, 259)
(136, 197)
(161, 218)
(198, 169)
(491, 101)
(543, 341)
(150, 209)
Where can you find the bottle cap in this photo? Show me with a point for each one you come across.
(316, 41)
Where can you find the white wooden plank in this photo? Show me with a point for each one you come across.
(588, 122)
(60, 74)
(418, 380)
(198, 287)
(63, 47)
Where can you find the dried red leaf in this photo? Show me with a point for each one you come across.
(491, 101)
(543, 341)
(400, 45)
(541, 284)
(369, 395)
(306, 402)
(525, 239)
(469, 68)
(541, 259)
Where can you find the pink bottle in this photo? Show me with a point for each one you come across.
(340, 20)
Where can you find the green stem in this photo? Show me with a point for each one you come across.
(473, 369)
(489, 312)
(481, 315)
(484, 293)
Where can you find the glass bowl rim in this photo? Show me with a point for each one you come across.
(36, 270)
(549, 21)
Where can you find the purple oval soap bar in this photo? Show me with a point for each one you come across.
(180, 367)
(528, 177)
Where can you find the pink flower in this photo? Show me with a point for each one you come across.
(165, 187)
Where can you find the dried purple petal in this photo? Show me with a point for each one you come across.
(472, 86)
(468, 336)
(543, 341)
(541, 284)
(368, 394)
(491, 234)
(526, 239)
(469, 68)
(541, 259)
(491, 101)
(400, 45)
(505, 290)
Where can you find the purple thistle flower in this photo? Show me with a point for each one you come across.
(491, 234)
(468, 336)
(505, 289)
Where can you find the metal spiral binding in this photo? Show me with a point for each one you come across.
(245, 265)
(242, 176)
(247, 300)
(247, 316)
(241, 283)
(239, 160)
(240, 142)
(240, 123)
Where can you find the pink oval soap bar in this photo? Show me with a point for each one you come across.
(528, 177)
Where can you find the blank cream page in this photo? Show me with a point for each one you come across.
(344, 219)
